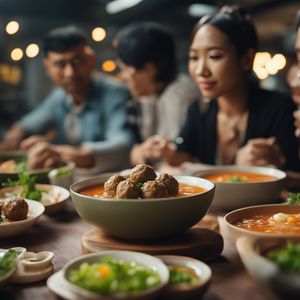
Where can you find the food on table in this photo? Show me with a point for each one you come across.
(128, 189)
(182, 275)
(12, 166)
(15, 209)
(287, 258)
(280, 223)
(110, 186)
(111, 276)
(236, 177)
(25, 187)
(154, 189)
(170, 183)
(8, 262)
(148, 186)
(293, 198)
(142, 173)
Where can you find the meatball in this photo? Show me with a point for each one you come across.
(142, 173)
(15, 209)
(154, 189)
(128, 189)
(110, 186)
(170, 183)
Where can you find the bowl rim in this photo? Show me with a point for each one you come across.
(279, 174)
(82, 291)
(259, 234)
(47, 186)
(200, 265)
(73, 192)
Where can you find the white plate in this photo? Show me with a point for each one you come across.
(57, 285)
(35, 211)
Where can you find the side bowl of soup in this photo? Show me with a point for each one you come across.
(189, 278)
(273, 262)
(114, 274)
(238, 187)
(264, 221)
(143, 218)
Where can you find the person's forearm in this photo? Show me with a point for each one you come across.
(176, 158)
(136, 155)
(82, 157)
(13, 137)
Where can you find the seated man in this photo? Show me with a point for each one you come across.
(84, 118)
(147, 61)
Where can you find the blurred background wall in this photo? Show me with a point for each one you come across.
(23, 23)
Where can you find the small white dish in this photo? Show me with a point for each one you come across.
(63, 176)
(12, 228)
(37, 261)
(185, 291)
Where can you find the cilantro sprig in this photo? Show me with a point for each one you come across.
(293, 198)
(28, 183)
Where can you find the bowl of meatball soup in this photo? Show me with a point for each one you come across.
(143, 205)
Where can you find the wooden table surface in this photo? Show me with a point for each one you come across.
(61, 234)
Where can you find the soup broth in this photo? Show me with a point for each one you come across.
(279, 223)
(184, 190)
(234, 177)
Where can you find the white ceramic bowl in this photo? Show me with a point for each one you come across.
(142, 259)
(63, 176)
(36, 209)
(236, 232)
(186, 291)
(143, 218)
(252, 253)
(229, 196)
(53, 204)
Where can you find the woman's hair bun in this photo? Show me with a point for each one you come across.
(237, 12)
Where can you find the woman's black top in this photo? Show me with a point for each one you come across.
(270, 115)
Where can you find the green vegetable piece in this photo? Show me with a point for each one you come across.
(8, 262)
(180, 276)
(28, 183)
(2, 218)
(140, 185)
(293, 198)
(236, 179)
(287, 258)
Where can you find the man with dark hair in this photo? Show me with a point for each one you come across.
(147, 62)
(84, 118)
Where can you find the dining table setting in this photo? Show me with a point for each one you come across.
(173, 220)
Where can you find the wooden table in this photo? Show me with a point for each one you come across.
(62, 234)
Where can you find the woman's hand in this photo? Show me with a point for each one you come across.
(260, 152)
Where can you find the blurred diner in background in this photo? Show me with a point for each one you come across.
(133, 109)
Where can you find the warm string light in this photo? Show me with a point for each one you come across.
(265, 64)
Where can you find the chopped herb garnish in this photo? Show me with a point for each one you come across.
(2, 218)
(235, 179)
(293, 198)
(8, 262)
(140, 185)
(28, 183)
(287, 258)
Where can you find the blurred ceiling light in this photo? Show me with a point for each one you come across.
(261, 58)
(16, 54)
(32, 50)
(12, 27)
(98, 34)
(279, 60)
(116, 6)
(261, 73)
(199, 10)
(271, 67)
(109, 66)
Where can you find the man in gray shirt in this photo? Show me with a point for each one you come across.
(84, 118)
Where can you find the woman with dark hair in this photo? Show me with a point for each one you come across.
(146, 54)
(242, 123)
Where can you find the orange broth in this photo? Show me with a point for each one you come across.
(184, 190)
(229, 177)
(266, 223)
